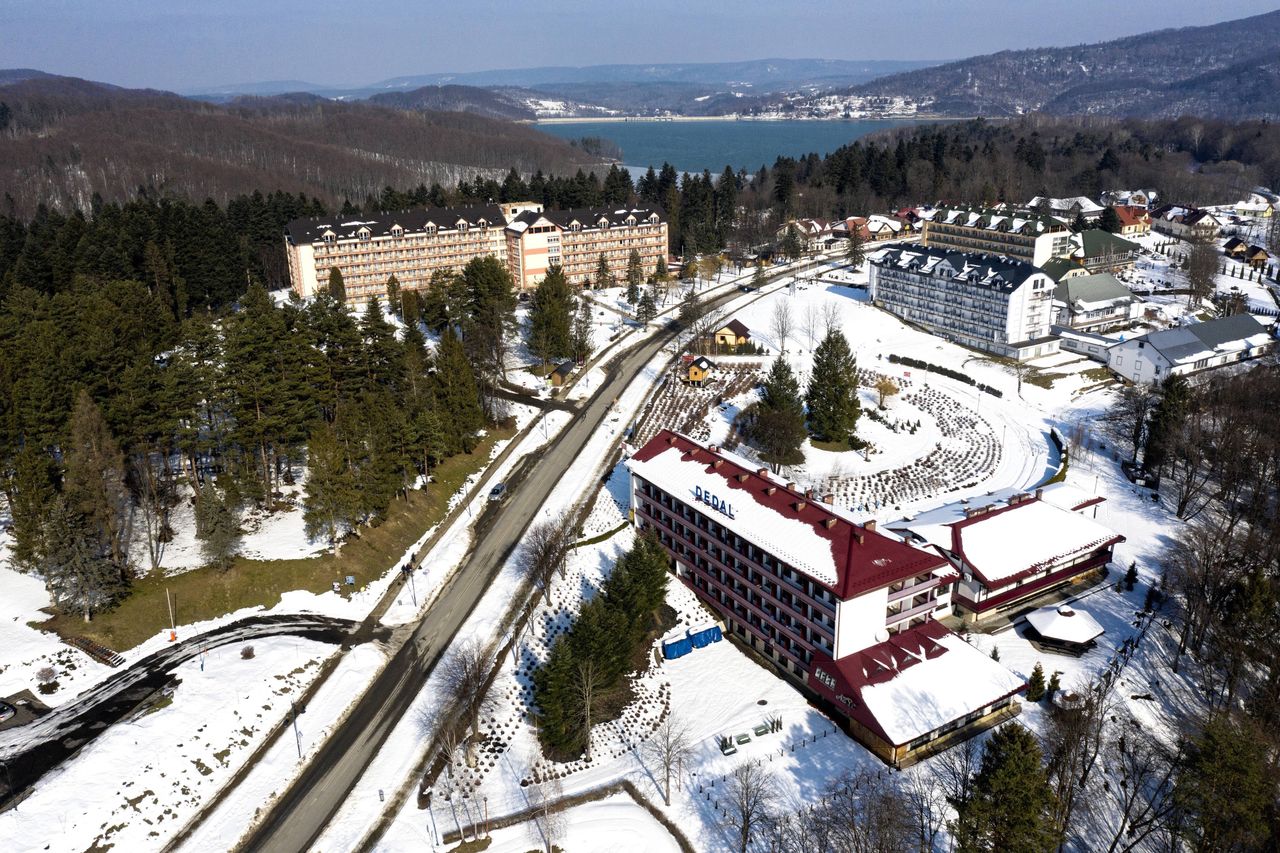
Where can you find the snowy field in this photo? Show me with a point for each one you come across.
(140, 780)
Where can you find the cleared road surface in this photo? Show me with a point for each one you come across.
(300, 815)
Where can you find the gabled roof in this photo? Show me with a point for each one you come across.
(588, 217)
(703, 363)
(414, 220)
(913, 683)
(564, 368)
(1201, 340)
(814, 538)
(1002, 545)
(988, 271)
(737, 327)
(1056, 268)
(1129, 215)
(1092, 289)
(1096, 243)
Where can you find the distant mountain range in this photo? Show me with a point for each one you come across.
(63, 139)
(1229, 70)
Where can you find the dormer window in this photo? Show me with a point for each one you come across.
(653, 219)
(631, 220)
(575, 225)
(603, 223)
(397, 231)
(483, 223)
(364, 233)
(329, 237)
(430, 228)
(461, 225)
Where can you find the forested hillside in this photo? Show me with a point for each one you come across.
(459, 99)
(1229, 70)
(62, 140)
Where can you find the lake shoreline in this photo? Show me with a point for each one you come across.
(657, 119)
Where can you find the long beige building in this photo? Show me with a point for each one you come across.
(415, 244)
(1022, 235)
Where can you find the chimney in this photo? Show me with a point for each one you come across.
(1040, 494)
(870, 526)
(829, 498)
(717, 463)
(763, 472)
(713, 448)
(829, 522)
(770, 489)
(800, 505)
(791, 487)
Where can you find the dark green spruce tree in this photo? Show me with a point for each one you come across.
(551, 316)
(833, 390)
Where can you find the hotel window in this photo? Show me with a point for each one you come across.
(364, 233)
(329, 237)
(397, 231)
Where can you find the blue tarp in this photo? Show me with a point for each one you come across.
(705, 636)
(672, 649)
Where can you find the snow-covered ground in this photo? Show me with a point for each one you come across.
(140, 780)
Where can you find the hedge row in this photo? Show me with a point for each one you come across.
(944, 371)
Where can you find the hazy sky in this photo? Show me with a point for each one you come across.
(184, 45)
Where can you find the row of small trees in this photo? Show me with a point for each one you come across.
(588, 664)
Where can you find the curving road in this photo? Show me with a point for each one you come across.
(300, 815)
(32, 750)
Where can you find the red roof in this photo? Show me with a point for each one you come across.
(878, 664)
(1130, 215)
(864, 559)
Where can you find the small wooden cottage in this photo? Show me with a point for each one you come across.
(732, 334)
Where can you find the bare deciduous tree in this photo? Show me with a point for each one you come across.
(546, 544)
(669, 747)
(1143, 799)
(549, 820)
(831, 319)
(751, 798)
(466, 669)
(780, 323)
(810, 321)
(586, 681)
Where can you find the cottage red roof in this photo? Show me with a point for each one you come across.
(862, 558)
(1130, 215)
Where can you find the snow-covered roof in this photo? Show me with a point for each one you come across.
(1197, 341)
(916, 682)
(1030, 535)
(415, 220)
(1067, 496)
(797, 528)
(1064, 623)
(986, 271)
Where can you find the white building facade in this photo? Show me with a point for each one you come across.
(988, 303)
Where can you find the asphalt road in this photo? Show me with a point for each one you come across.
(32, 750)
(302, 813)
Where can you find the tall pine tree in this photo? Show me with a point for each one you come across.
(551, 316)
(833, 390)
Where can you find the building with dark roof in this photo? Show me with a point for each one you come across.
(1023, 235)
(576, 239)
(1093, 302)
(818, 594)
(991, 303)
(1101, 251)
(414, 244)
(1190, 349)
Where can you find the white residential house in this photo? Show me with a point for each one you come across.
(1094, 303)
(1190, 349)
(1067, 208)
(986, 302)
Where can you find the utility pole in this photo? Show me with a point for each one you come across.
(173, 625)
(408, 570)
(293, 706)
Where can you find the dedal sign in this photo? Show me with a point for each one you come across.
(712, 501)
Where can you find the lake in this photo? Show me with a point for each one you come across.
(692, 146)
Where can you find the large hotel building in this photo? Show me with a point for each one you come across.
(414, 244)
(986, 302)
(847, 611)
(1025, 236)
